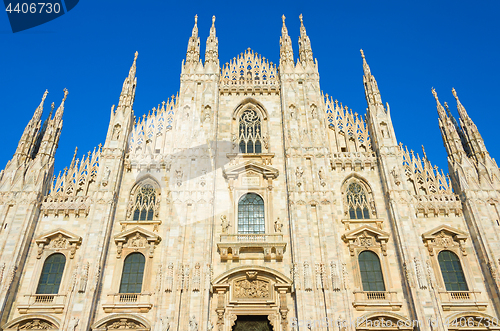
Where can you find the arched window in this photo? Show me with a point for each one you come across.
(251, 214)
(52, 272)
(451, 269)
(145, 203)
(357, 202)
(250, 132)
(371, 272)
(133, 272)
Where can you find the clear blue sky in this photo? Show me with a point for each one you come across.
(411, 46)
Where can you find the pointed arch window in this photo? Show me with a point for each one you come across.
(251, 214)
(357, 202)
(371, 271)
(51, 276)
(133, 273)
(451, 269)
(250, 132)
(145, 203)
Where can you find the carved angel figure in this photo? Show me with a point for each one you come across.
(278, 225)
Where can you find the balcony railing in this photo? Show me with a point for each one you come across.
(231, 245)
(229, 238)
(42, 303)
(128, 302)
(366, 300)
(466, 300)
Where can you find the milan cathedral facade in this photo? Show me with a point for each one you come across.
(250, 201)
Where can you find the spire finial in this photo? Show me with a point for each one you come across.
(440, 108)
(283, 18)
(454, 93)
(366, 67)
(213, 20)
(423, 151)
(74, 157)
(300, 18)
(195, 19)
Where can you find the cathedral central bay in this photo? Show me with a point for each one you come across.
(250, 201)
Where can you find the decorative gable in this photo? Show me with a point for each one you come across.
(444, 237)
(136, 239)
(366, 237)
(58, 240)
(253, 170)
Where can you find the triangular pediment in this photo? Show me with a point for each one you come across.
(58, 233)
(366, 230)
(234, 171)
(445, 229)
(125, 235)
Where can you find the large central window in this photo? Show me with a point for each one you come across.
(250, 132)
(251, 214)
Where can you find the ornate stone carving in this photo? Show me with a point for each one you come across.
(307, 277)
(193, 324)
(196, 278)
(366, 237)
(278, 225)
(169, 283)
(83, 278)
(35, 324)
(124, 323)
(58, 240)
(445, 237)
(422, 284)
(334, 274)
(251, 289)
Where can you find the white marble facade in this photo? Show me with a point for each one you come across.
(332, 185)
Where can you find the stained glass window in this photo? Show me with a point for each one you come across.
(357, 202)
(251, 214)
(451, 269)
(133, 272)
(145, 203)
(52, 272)
(371, 272)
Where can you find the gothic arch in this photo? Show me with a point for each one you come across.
(243, 105)
(370, 201)
(43, 318)
(140, 183)
(139, 322)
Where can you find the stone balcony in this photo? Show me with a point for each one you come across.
(128, 302)
(42, 303)
(376, 300)
(242, 246)
(461, 300)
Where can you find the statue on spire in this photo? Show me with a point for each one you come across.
(193, 51)
(212, 47)
(286, 50)
(305, 50)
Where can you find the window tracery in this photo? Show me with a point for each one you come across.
(144, 202)
(250, 132)
(357, 201)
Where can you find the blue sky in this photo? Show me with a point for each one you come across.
(410, 46)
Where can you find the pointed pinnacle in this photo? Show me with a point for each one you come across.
(300, 18)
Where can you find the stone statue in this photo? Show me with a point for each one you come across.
(165, 324)
(224, 223)
(193, 325)
(73, 324)
(277, 225)
(299, 172)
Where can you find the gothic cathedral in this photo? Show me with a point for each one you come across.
(250, 201)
